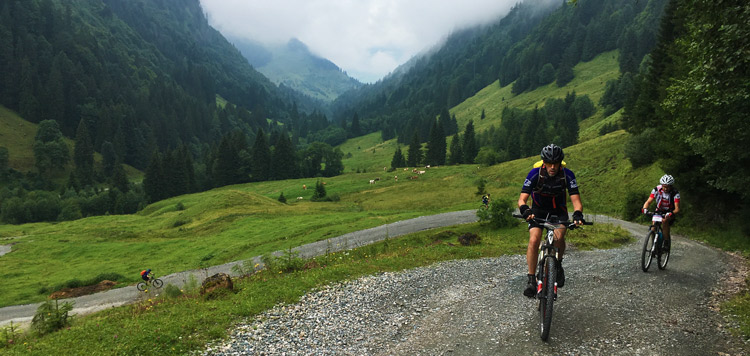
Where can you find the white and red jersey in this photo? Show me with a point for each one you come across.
(665, 200)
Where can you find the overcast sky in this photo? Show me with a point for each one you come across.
(366, 38)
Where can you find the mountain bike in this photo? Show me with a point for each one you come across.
(655, 245)
(143, 285)
(546, 275)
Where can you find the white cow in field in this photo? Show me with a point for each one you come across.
(421, 172)
(299, 198)
(372, 181)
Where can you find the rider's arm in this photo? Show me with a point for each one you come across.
(523, 198)
(576, 200)
(676, 207)
(648, 202)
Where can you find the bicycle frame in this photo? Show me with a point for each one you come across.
(547, 249)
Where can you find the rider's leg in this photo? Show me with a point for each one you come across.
(532, 252)
(665, 226)
(560, 244)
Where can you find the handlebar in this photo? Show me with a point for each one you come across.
(569, 224)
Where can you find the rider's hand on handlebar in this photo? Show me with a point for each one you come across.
(578, 217)
(526, 212)
(645, 211)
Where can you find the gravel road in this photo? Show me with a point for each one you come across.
(475, 307)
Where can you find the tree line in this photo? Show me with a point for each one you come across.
(688, 107)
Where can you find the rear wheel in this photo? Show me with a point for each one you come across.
(547, 298)
(648, 246)
(141, 286)
(664, 255)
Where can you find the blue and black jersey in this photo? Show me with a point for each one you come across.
(548, 193)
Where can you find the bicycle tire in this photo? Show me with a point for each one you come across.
(663, 258)
(141, 286)
(157, 283)
(648, 246)
(548, 298)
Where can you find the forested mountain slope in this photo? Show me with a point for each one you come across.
(537, 43)
(148, 71)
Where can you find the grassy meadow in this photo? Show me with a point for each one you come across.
(239, 222)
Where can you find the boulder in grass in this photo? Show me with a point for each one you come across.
(468, 239)
(217, 284)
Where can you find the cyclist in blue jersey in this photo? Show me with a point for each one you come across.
(547, 186)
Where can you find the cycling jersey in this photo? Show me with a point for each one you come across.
(665, 200)
(548, 193)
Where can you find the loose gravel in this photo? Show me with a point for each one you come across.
(475, 307)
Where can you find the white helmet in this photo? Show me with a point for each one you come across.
(667, 179)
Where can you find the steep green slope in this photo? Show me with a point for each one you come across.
(590, 79)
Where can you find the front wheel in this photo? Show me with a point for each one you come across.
(664, 255)
(547, 298)
(157, 283)
(648, 246)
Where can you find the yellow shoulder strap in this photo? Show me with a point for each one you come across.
(540, 162)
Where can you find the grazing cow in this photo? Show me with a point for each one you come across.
(395, 177)
(427, 166)
(421, 172)
(377, 179)
(299, 198)
(324, 183)
(372, 181)
(414, 177)
(304, 187)
(414, 170)
(406, 169)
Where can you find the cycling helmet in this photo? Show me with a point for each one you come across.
(552, 153)
(666, 179)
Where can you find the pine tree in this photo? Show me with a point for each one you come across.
(284, 159)
(456, 156)
(398, 159)
(261, 158)
(109, 158)
(83, 155)
(436, 146)
(356, 129)
(414, 157)
(470, 148)
(154, 182)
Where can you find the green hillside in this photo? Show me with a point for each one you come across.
(590, 79)
(17, 135)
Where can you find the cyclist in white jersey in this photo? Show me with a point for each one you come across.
(667, 202)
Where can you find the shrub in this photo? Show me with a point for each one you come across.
(289, 261)
(282, 198)
(9, 335)
(172, 291)
(641, 150)
(51, 317)
(499, 214)
(632, 206)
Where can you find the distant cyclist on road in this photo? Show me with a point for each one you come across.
(145, 275)
(667, 203)
(547, 185)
